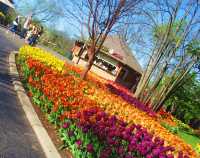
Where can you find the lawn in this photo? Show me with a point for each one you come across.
(190, 139)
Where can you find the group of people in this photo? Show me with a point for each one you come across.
(30, 32)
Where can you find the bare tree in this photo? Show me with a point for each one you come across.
(174, 48)
(99, 18)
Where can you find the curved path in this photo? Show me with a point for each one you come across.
(17, 139)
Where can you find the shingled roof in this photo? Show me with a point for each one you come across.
(121, 52)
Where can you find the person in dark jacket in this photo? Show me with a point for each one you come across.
(15, 24)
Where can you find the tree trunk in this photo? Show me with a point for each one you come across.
(170, 87)
(79, 58)
(87, 69)
(91, 55)
(156, 57)
(152, 90)
(143, 80)
(155, 85)
(153, 62)
(81, 52)
(175, 84)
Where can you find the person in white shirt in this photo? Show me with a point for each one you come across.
(26, 26)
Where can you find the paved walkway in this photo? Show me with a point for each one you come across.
(17, 139)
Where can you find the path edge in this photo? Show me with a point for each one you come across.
(45, 141)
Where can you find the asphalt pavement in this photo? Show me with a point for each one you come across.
(17, 139)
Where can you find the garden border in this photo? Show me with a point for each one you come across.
(45, 141)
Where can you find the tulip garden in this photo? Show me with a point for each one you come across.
(95, 118)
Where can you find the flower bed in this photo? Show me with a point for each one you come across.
(129, 98)
(93, 122)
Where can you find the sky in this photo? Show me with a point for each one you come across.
(23, 7)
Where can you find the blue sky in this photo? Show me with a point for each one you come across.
(60, 24)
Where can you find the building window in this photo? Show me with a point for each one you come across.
(105, 65)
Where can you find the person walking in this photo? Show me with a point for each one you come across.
(36, 34)
(15, 24)
(29, 33)
(26, 26)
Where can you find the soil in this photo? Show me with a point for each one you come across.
(50, 128)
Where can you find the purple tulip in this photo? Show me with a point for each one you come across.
(90, 148)
(78, 115)
(180, 154)
(129, 156)
(112, 132)
(130, 99)
(105, 154)
(149, 156)
(170, 156)
(120, 150)
(71, 133)
(131, 147)
(66, 125)
(79, 143)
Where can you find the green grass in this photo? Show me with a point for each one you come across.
(190, 139)
(184, 135)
